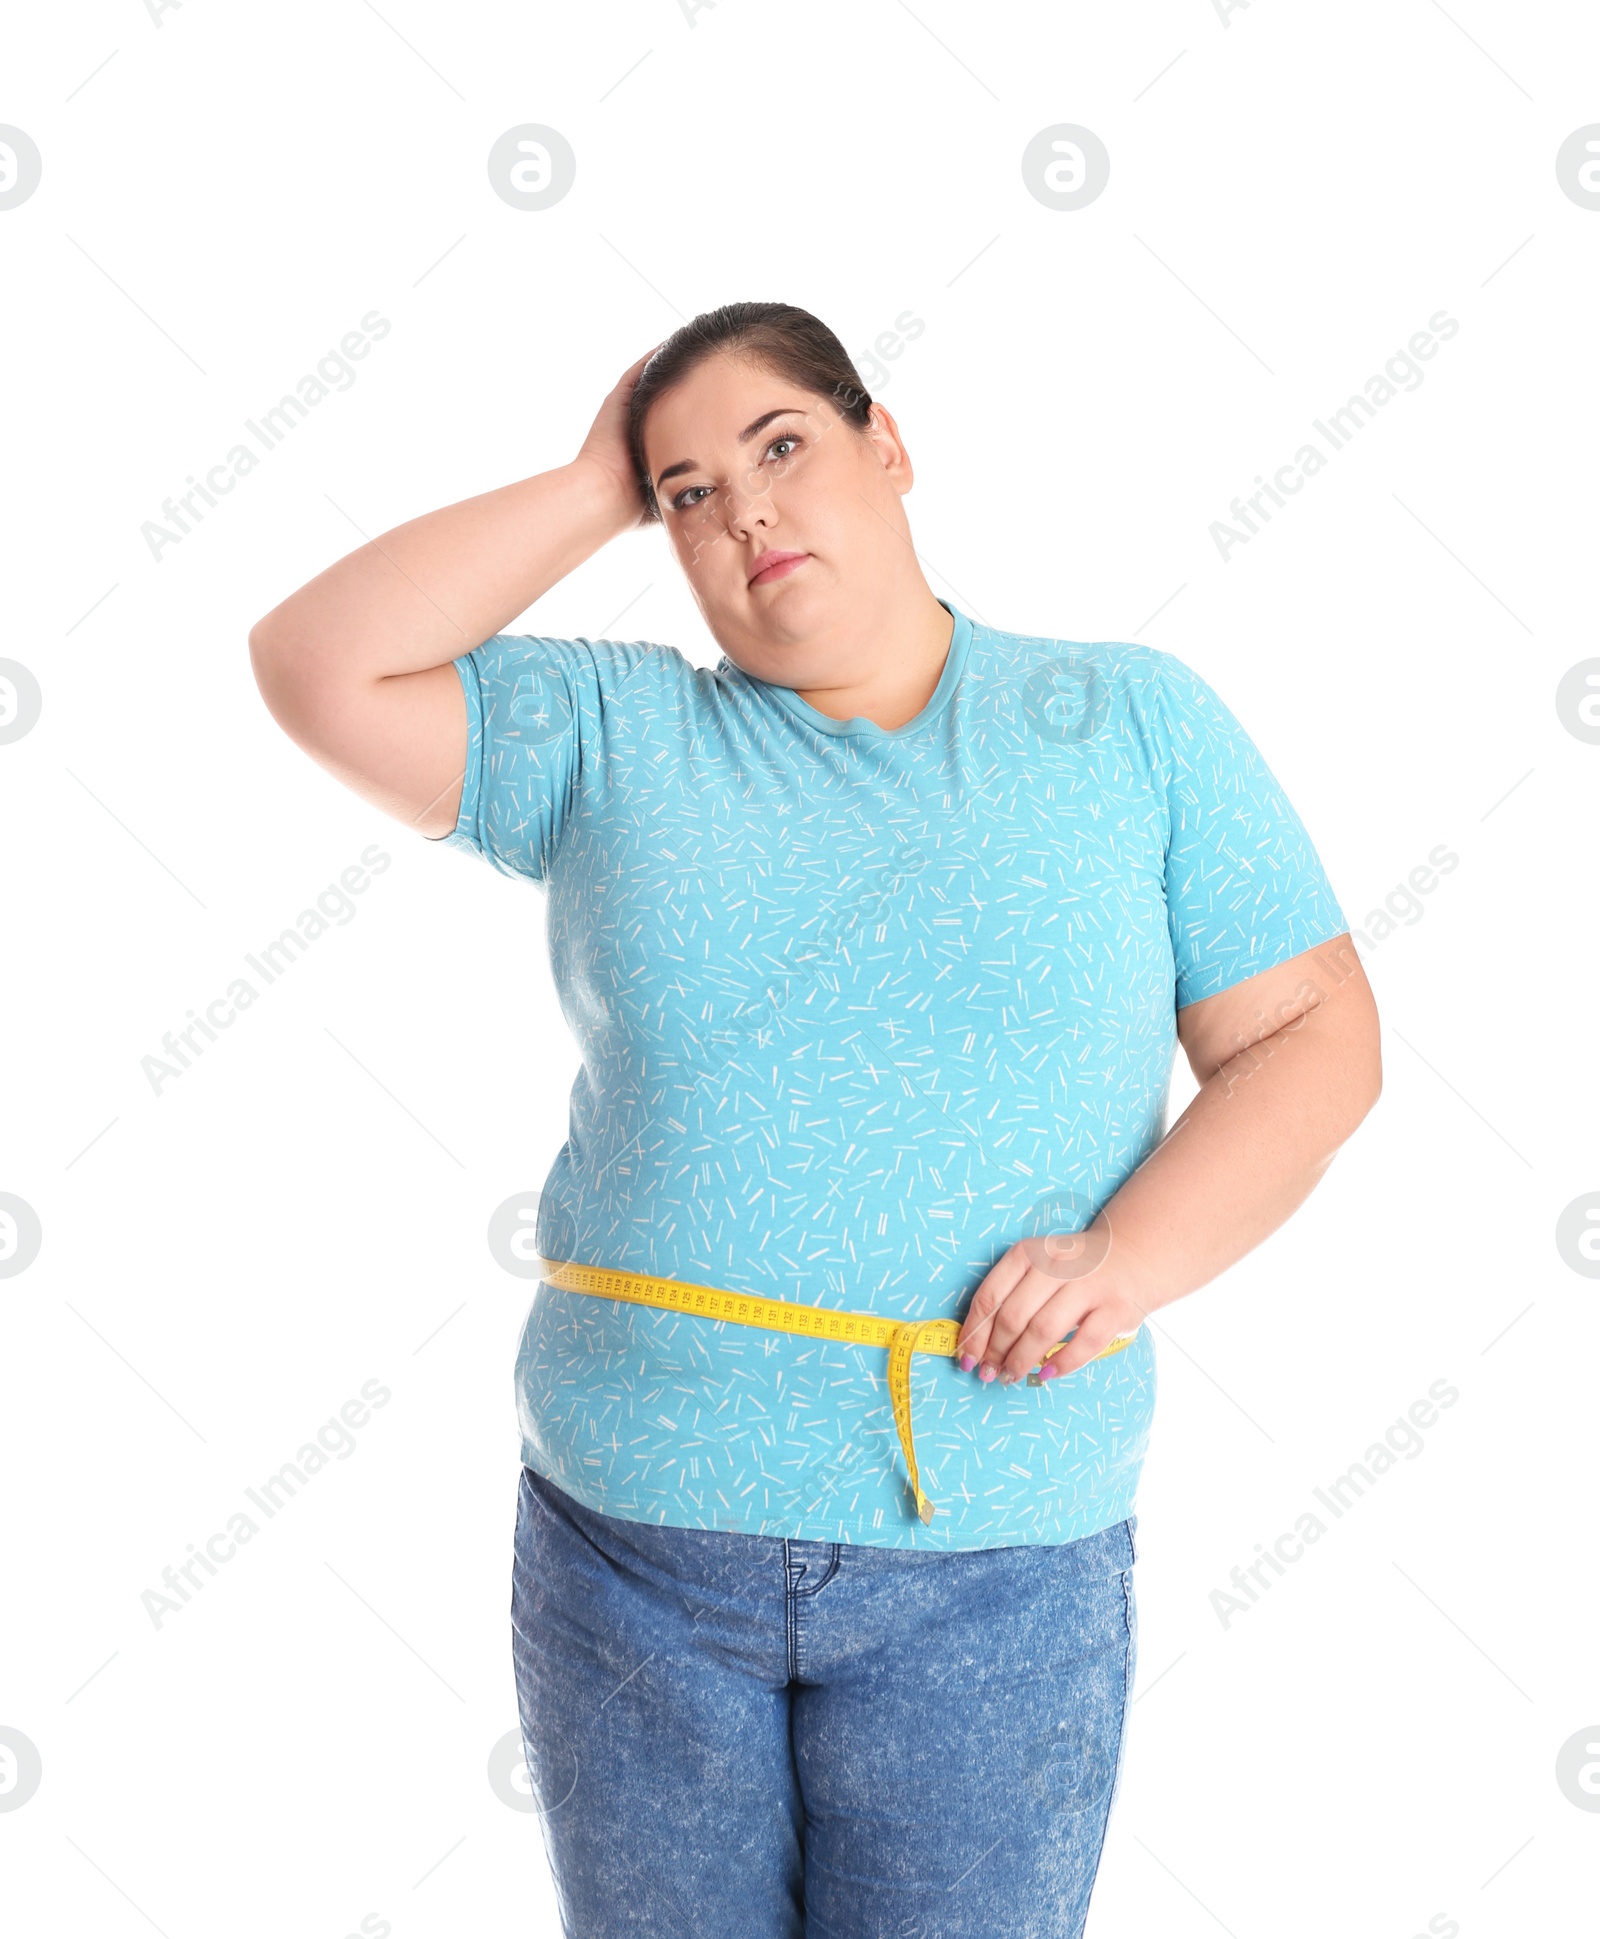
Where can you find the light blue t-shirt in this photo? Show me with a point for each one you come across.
(859, 1009)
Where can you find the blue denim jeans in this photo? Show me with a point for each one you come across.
(739, 1737)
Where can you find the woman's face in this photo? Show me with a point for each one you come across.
(751, 469)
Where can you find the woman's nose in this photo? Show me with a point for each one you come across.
(746, 509)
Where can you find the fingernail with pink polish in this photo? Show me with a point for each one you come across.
(968, 1362)
(986, 1373)
(1048, 1373)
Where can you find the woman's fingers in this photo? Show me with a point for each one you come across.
(1028, 1327)
(1096, 1330)
(990, 1344)
(1030, 1300)
(1001, 1277)
(1036, 1303)
(607, 442)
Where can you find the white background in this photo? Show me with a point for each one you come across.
(1294, 191)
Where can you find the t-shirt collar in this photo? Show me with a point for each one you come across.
(938, 700)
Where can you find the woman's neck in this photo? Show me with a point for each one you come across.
(901, 675)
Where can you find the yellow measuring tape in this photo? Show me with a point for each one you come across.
(903, 1338)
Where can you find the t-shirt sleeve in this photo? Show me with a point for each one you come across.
(1246, 890)
(528, 703)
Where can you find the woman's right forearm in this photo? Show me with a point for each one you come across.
(442, 584)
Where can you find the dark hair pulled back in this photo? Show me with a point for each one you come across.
(791, 342)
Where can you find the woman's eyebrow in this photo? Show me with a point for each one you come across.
(749, 431)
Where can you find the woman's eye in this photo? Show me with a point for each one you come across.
(691, 495)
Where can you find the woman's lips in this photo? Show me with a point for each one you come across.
(777, 566)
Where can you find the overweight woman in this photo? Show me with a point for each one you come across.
(878, 939)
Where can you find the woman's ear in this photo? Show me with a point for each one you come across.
(883, 434)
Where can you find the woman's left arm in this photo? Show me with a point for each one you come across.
(1289, 1065)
